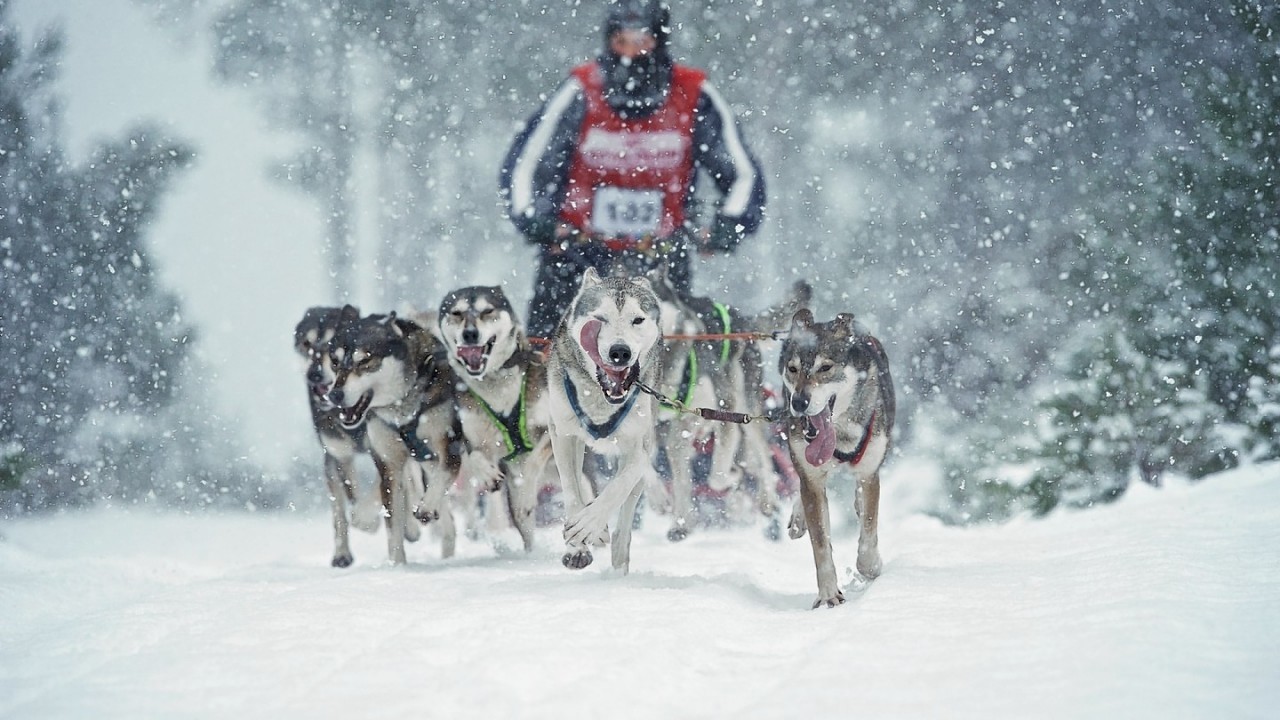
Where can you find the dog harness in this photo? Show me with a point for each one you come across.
(514, 426)
(853, 457)
(723, 311)
(598, 430)
(689, 379)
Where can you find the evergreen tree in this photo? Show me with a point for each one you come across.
(92, 343)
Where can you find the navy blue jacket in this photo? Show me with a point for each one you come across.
(534, 175)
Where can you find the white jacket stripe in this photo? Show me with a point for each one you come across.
(536, 147)
(738, 199)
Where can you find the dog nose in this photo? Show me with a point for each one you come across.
(314, 376)
(619, 355)
(471, 336)
(335, 396)
(799, 403)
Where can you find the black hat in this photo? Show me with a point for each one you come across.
(651, 15)
(637, 87)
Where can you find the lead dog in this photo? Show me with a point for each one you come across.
(607, 345)
(390, 374)
(503, 409)
(839, 394)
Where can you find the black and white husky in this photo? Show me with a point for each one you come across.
(503, 409)
(389, 374)
(341, 445)
(607, 345)
(840, 398)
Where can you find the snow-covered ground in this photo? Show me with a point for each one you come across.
(1164, 605)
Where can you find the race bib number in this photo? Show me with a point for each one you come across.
(621, 212)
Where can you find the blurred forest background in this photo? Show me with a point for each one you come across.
(1060, 217)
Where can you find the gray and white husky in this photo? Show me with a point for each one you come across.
(341, 445)
(840, 397)
(607, 345)
(390, 374)
(503, 410)
(722, 374)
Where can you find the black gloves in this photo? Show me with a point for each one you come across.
(725, 236)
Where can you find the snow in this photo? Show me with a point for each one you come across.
(1163, 605)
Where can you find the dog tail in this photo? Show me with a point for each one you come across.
(778, 317)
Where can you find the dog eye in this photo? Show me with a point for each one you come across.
(638, 321)
(793, 367)
(825, 367)
(487, 312)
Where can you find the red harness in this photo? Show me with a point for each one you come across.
(853, 457)
(630, 178)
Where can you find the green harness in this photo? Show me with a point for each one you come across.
(690, 377)
(514, 427)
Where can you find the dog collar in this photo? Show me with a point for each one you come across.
(514, 427)
(598, 430)
(853, 457)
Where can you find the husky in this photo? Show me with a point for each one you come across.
(723, 374)
(389, 374)
(503, 408)
(840, 399)
(605, 350)
(311, 338)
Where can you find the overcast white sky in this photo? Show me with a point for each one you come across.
(241, 252)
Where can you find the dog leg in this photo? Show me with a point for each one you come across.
(868, 503)
(336, 479)
(813, 495)
(725, 473)
(621, 550)
(570, 452)
(522, 497)
(434, 484)
(590, 525)
(796, 528)
(413, 478)
(679, 443)
(448, 531)
(390, 456)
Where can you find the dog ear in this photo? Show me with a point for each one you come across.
(844, 326)
(590, 278)
(349, 313)
(803, 318)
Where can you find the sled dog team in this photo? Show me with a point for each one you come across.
(458, 408)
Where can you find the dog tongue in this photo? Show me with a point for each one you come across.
(472, 355)
(590, 339)
(822, 446)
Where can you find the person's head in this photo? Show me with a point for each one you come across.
(637, 58)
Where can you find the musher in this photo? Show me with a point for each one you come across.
(603, 173)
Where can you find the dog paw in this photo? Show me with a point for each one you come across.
(869, 565)
(796, 527)
(486, 473)
(586, 527)
(342, 560)
(830, 600)
(426, 511)
(367, 515)
(412, 531)
(678, 533)
(577, 559)
(586, 533)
